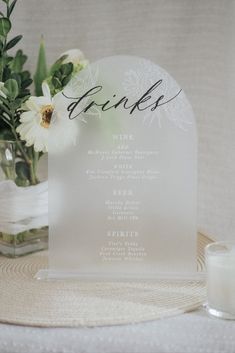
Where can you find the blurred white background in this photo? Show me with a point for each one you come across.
(193, 40)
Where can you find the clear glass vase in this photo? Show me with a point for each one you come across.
(23, 211)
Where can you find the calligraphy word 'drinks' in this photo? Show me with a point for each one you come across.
(74, 112)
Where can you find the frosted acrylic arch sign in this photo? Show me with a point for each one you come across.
(122, 199)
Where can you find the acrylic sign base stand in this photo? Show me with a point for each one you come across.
(71, 275)
(122, 200)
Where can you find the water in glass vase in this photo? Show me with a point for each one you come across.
(24, 207)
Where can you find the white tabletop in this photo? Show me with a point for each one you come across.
(189, 333)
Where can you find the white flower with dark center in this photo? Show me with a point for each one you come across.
(46, 123)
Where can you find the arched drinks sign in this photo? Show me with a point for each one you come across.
(122, 200)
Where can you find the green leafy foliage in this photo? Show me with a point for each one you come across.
(60, 75)
(13, 42)
(14, 90)
(57, 64)
(5, 26)
(6, 134)
(11, 8)
(16, 80)
(16, 63)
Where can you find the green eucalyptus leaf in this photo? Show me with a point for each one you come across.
(6, 73)
(16, 104)
(13, 42)
(11, 7)
(12, 86)
(16, 77)
(24, 98)
(9, 59)
(25, 75)
(5, 26)
(18, 61)
(26, 83)
(24, 93)
(2, 38)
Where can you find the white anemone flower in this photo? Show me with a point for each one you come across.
(46, 123)
(74, 56)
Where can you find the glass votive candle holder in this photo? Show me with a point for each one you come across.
(220, 265)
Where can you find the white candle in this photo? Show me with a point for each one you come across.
(220, 260)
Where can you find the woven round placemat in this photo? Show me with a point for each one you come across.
(27, 301)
